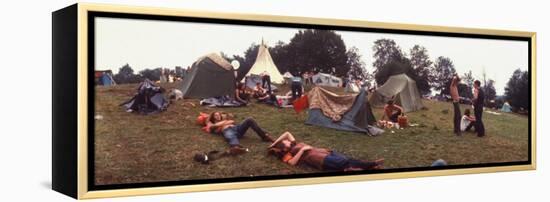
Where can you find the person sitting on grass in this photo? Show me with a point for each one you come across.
(392, 112)
(467, 121)
(233, 132)
(260, 93)
(241, 95)
(289, 151)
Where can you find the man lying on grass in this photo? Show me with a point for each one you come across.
(233, 132)
(286, 149)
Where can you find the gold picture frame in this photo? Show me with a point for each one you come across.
(71, 141)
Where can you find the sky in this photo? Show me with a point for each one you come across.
(152, 43)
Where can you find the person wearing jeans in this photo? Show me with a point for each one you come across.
(289, 151)
(479, 98)
(233, 132)
(456, 105)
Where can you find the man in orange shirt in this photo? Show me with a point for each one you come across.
(454, 95)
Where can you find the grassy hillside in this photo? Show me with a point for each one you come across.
(132, 148)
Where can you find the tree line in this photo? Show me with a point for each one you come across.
(324, 51)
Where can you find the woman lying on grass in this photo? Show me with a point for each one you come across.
(233, 132)
(286, 149)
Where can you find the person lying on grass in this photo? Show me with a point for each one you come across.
(392, 111)
(289, 151)
(233, 132)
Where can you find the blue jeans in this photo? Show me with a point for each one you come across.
(338, 162)
(232, 134)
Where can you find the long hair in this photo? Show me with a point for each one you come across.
(467, 112)
(278, 150)
(212, 118)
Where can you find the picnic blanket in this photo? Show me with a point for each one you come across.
(331, 104)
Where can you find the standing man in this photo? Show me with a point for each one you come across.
(479, 98)
(456, 105)
(296, 87)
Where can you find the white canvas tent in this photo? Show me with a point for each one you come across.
(352, 87)
(506, 107)
(264, 65)
(402, 89)
(322, 79)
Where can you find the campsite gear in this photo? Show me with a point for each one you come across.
(331, 104)
(201, 119)
(403, 89)
(322, 79)
(403, 121)
(357, 118)
(264, 65)
(221, 101)
(210, 76)
(149, 99)
(175, 94)
(206, 158)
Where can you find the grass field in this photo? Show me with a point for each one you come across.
(132, 148)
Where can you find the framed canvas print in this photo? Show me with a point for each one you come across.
(157, 100)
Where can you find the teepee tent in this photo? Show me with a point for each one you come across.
(264, 65)
(210, 76)
(322, 79)
(402, 89)
(341, 112)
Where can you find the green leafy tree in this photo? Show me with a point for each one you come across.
(357, 69)
(441, 75)
(386, 51)
(126, 75)
(151, 74)
(517, 90)
(318, 51)
(490, 91)
(421, 64)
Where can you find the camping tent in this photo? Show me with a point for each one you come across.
(402, 89)
(264, 65)
(352, 87)
(149, 99)
(322, 79)
(506, 107)
(356, 113)
(210, 76)
(288, 77)
(104, 78)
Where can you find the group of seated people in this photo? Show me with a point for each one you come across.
(265, 95)
(392, 112)
(286, 148)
